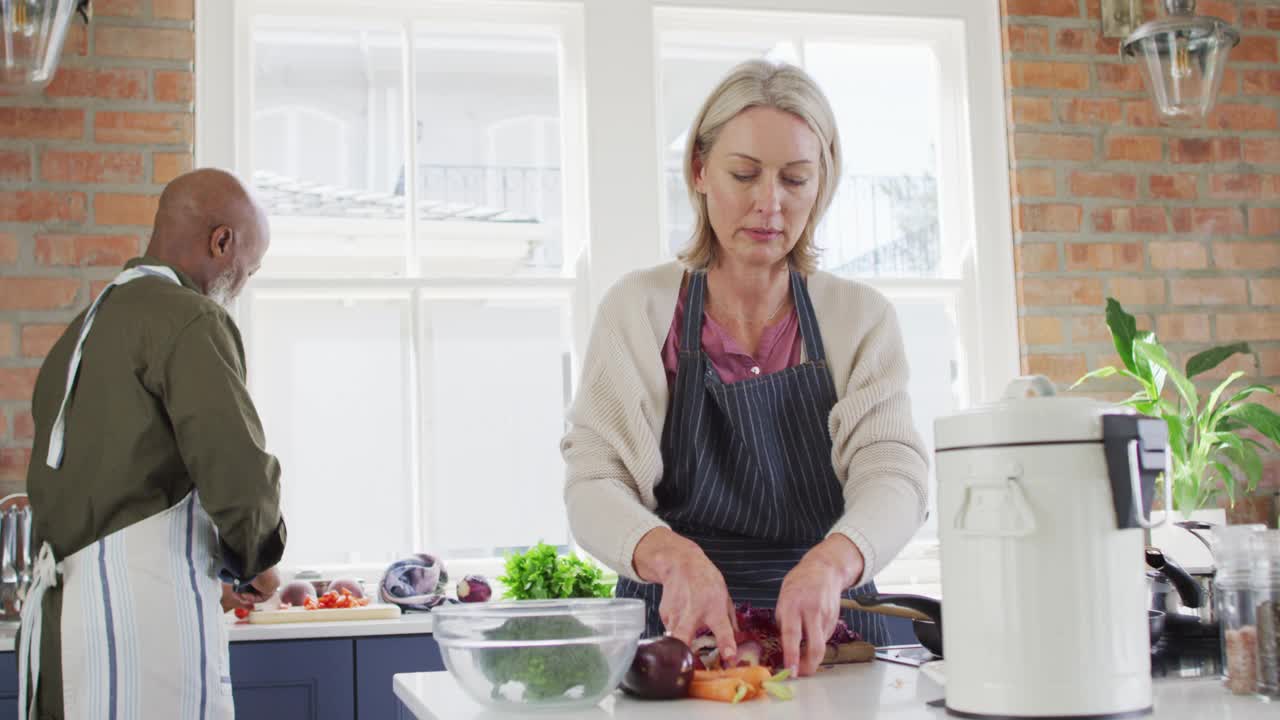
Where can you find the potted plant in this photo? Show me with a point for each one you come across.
(1213, 449)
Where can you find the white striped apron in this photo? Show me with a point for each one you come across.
(142, 628)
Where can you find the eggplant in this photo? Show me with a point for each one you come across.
(662, 670)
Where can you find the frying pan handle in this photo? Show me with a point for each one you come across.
(919, 603)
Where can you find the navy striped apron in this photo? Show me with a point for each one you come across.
(748, 473)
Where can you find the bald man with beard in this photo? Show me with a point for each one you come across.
(150, 483)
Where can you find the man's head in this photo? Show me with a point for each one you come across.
(210, 227)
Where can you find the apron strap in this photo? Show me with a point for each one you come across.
(44, 576)
(813, 348)
(57, 436)
(695, 300)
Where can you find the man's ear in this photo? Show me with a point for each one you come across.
(220, 241)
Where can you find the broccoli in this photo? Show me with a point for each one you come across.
(545, 672)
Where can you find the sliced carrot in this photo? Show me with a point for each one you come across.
(730, 690)
(753, 675)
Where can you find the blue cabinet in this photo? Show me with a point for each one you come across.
(378, 658)
(8, 686)
(294, 679)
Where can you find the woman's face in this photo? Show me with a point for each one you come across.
(761, 181)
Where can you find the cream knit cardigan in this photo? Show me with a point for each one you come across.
(612, 448)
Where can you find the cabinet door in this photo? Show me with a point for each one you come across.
(378, 658)
(303, 679)
(8, 686)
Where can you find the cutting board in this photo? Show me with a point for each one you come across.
(298, 615)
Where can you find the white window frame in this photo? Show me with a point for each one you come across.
(619, 117)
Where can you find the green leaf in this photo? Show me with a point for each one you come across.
(1104, 372)
(1213, 397)
(1177, 438)
(1123, 329)
(1260, 418)
(1246, 391)
(1155, 374)
(1246, 458)
(1228, 480)
(1156, 355)
(1213, 357)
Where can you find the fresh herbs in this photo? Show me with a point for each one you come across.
(545, 671)
(542, 574)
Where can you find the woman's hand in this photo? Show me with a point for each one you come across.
(694, 595)
(809, 602)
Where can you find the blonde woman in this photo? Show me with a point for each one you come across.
(742, 431)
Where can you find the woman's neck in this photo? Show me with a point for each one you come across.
(746, 298)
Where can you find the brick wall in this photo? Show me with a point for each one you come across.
(1181, 225)
(80, 171)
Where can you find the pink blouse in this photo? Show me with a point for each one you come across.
(779, 347)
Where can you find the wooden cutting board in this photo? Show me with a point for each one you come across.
(298, 615)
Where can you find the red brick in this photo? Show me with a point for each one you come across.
(1180, 186)
(8, 249)
(1183, 327)
(142, 128)
(1049, 75)
(1040, 330)
(1140, 114)
(91, 167)
(1260, 82)
(1104, 184)
(1265, 291)
(173, 86)
(1230, 83)
(13, 466)
(1074, 41)
(1243, 117)
(167, 166)
(1040, 292)
(17, 383)
(1135, 148)
(117, 8)
(4, 426)
(1035, 182)
(1130, 220)
(1256, 48)
(115, 84)
(15, 166)
(1211, 221)
(38, 339)
(1178, 255)
(1119, 77)
(1262, 17)
(1032, 110)
(1261, 151)
(42, 206)
(1032, 39)
(1262, 255)
(24, 426)
(1264, 221)
(41, 123)
(1209, 291)
(1045, 146)
(1104, 256)
(1088, 329)
(1204, 150)
(82, 250)
(1049, 218)
(1063, 368)
(1270, 360)
(1240, 186)
(1221, 9)
(77, 42)
(37, 293)
(1091, 111)
(1138, 290)
(7, 346)
(1035, 257)
(125, 209)
(1248, 326)
(143, 42)
(1051, 8)
(173, 9)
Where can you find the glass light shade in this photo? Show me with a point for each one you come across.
(1181, 59)
(31, 37)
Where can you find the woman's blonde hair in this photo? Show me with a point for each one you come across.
(762, 83)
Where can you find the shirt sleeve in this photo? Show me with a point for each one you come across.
(220, 439)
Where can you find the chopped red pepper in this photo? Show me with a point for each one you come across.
(242, 612)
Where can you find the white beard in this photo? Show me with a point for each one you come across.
(220, 290)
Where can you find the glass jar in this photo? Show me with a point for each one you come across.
(1233, 555)
(1265, 579)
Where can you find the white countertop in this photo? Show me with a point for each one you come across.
(879, 690)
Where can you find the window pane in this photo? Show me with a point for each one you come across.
(884, 220)
(488, 133)
(494, 381)
(328, 156)
(329, 380)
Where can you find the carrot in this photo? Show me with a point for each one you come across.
(753, 675)
(730, 690)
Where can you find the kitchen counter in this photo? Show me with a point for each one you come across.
(875, 690)
(407, 624)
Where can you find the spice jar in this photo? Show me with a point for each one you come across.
(1265, 579)
(1232, 555)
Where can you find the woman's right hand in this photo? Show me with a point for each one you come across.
(694, 595)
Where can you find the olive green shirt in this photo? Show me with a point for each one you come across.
(159, 408)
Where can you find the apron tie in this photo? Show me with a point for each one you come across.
(44, 576)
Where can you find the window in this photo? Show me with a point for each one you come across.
(414, 334)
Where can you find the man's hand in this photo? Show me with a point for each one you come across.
(261, 588)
